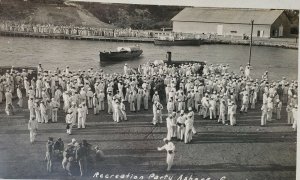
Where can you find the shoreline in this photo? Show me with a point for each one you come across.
(228, 41)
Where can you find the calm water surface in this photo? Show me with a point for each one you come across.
(54, 53)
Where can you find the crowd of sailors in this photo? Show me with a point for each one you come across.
(9, 26)
(185, 93)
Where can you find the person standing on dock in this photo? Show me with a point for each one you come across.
(181, 125)
(20, 96)
(247, 71)
(116, 111)
(222, 111)
(1, 90)
(270, 106)
(67, 71)
(232, 113)
(126, 69)
(43, 109)
(37, 111)
(57, 96)
(32, 127)
(245, 103)
(109, 102)
(278, 107)
(81, 112)
(26, 86)
(170, 106)
(39, 87)
(205, 105)
(189, 126)
(40, 68)
(49, 154)
(155, 97)
(212, 108)
(8, 98)
(31, 108)
(101, 97)
(131, 100)
(170, 124)
(242, 71)
(54, 108)
(123, 110)
(90, 95)
(145, 99)
(264, 110)
(81, 157)
(157, 112)
(69, 122)
(289, 110)
(139, 99)
(170, 148)
(295, 117)
(95, 102)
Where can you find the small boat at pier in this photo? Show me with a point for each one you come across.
(122, 53)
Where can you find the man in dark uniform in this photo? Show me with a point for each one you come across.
(81, 156)
(58, 147)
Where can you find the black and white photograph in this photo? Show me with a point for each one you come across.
(147, 91)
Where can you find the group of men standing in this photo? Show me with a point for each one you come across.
(211, 91)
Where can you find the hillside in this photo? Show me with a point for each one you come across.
(60, 12)
(48, 13)
(133, 16)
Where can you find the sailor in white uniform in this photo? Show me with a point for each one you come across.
(170, 148)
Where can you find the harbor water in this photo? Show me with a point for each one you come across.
(81, 55)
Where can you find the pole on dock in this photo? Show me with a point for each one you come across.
(169, 56)
(252, 21)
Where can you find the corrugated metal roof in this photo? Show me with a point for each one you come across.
(220, 15)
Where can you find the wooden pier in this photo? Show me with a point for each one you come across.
(218, 40)
(77, 37)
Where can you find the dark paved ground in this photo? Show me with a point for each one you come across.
(245, 151)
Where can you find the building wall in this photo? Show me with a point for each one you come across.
(284, 21)
(228, 29)
(264, 30)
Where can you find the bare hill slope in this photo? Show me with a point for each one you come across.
(41, 13)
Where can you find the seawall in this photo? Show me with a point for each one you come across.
(218, 40)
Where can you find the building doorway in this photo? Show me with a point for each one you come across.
(220, 29)
(260, 33)
(280, 32)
